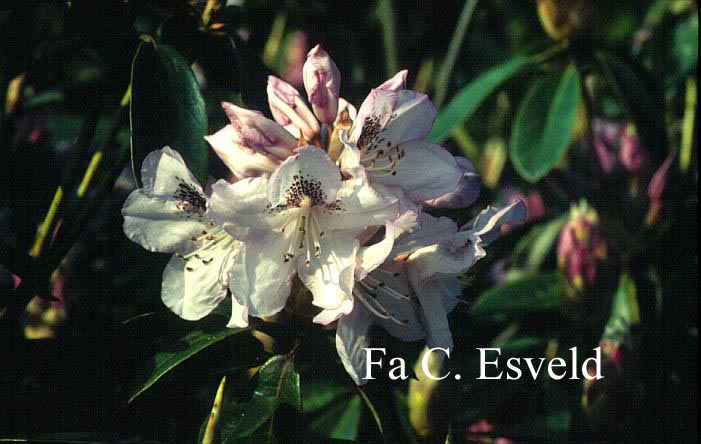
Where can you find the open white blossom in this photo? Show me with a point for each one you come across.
(167, 215)
(411, 294)
(303, 220)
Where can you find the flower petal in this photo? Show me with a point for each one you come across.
(157, 224)
(467, 191)
(242, 208)
(396, 82)
(330, 276)
(260, 277)
(162, 172)
(258, 132)
(371, 257)
(393, 116)
(287, 107)
(426, 171)
(352, 340)
(242, 160)
(309, 169)
(327, 316)
(487, 224)
(360, 206)
(434, 313)
(322, 80)
(433, 230)
(192, 290)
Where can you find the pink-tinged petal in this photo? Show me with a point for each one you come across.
(396, 82)
(257, 132)
(425, 171)
(389, 118)
(309, 171)
(373, 115)
(659, 179)
(467, 191)
(352, 340)
(162, 172)
(322, 80)
(287, 107)
(243, 161)
(261, 278)
(432, 230)
(359, 206)
(330, 276)
(632, 154)
(242, 208)
(372, 256)
(157, 224)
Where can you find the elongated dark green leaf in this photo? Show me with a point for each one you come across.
(544, 122)
(470, 97)
(519, 297)
(164, 361)
(166, 109)
(278, 382)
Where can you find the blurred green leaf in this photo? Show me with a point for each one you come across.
(522, 296)
(278, 382)
(686, 43)
(470, 97)
(165, 360)
(544, 123)
(536, 245)
(637, 95)
(340, 420)
(167, 109)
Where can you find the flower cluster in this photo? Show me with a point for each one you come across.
(326, 195)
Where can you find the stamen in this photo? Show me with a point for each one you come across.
(383, 314)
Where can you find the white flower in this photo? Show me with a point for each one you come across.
(302, 220)
(411, 294)
(167, 215)
(386, 144)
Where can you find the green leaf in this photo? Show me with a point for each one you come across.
(470, 97)
(522, 296)
(166, 109)
(637, 94)
(544, 123)
(165, 360)
(340, 421)
(278, 382)
(686, 43)
(536, 245)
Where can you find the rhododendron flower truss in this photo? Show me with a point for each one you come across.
(411, 294)
(303, 220)
(167, 215)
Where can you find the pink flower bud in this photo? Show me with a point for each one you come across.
(632, 154)
(580, 247)
(607, 135)
(322, 80)
(288, 108)
(249, 129)
(659, 179)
